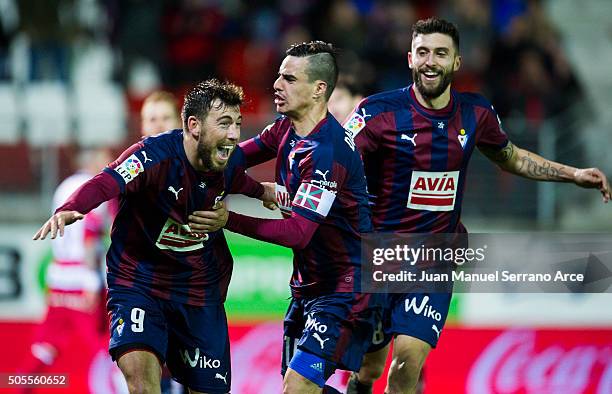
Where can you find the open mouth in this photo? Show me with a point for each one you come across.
(430, 75)
(224, 151)
(278, 99)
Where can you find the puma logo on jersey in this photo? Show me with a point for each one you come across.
(321, 340)
(433, 327)
(330, 185)
(323, 174)
(222, 377)
(144, 154)
(173, 190)
(411, 139)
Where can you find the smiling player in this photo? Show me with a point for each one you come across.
(164, 280)
(416, 144)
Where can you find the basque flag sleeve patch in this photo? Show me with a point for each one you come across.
(314, 198)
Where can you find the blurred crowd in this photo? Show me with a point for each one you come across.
(511, 51)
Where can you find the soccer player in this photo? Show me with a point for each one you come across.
(73, 277)
(321, 191)
(166, 284)
(413, 137)
(159, 113)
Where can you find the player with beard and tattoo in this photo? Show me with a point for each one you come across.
(413, 139)
(167, 284)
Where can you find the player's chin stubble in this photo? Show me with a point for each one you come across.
(205, 153)
(432, 93)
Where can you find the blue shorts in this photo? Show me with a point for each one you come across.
(419, 315)
(192, 340)
(336, 327)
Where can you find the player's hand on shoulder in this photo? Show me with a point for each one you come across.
(201, 222)
(56, 223)
(593, 178)
(269, 197)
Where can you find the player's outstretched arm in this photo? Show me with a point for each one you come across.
(294, 232)
(57, 223)
(530, 165)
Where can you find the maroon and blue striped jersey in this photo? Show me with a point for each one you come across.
(152, 247)
(416, 159)
(319, 177)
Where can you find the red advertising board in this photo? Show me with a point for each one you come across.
(256, 357)
(474, 361)
(517, 361)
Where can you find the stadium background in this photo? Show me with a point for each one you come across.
(74, 73)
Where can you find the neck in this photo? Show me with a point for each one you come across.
(433, 103)
(191, 151)
(304, 124)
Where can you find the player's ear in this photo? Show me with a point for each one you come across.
(320, 89)
(457, 63)
(410, 65)
(193, 128)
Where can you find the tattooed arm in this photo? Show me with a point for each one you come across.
(529, 165)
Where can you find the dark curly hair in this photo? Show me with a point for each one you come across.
(199, 99)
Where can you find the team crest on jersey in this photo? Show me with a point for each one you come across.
(462, 137)
(179, 238)
(130, 168)
(283, 198)
(120, 326)
(314, 198)
(433, 191)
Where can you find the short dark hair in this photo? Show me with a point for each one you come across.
(199, 99)
(435, 25)
(322, 63)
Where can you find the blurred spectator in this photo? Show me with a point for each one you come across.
(345, 97)
(193, 33)
(73, 278)
(159, 113)
(390, 34)
(136, 35)
(504, 11)
(5, 40)
(529, 75)
(50, 27)
(472, 17)
(344, 26)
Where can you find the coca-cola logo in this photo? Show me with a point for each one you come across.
(515, 363)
